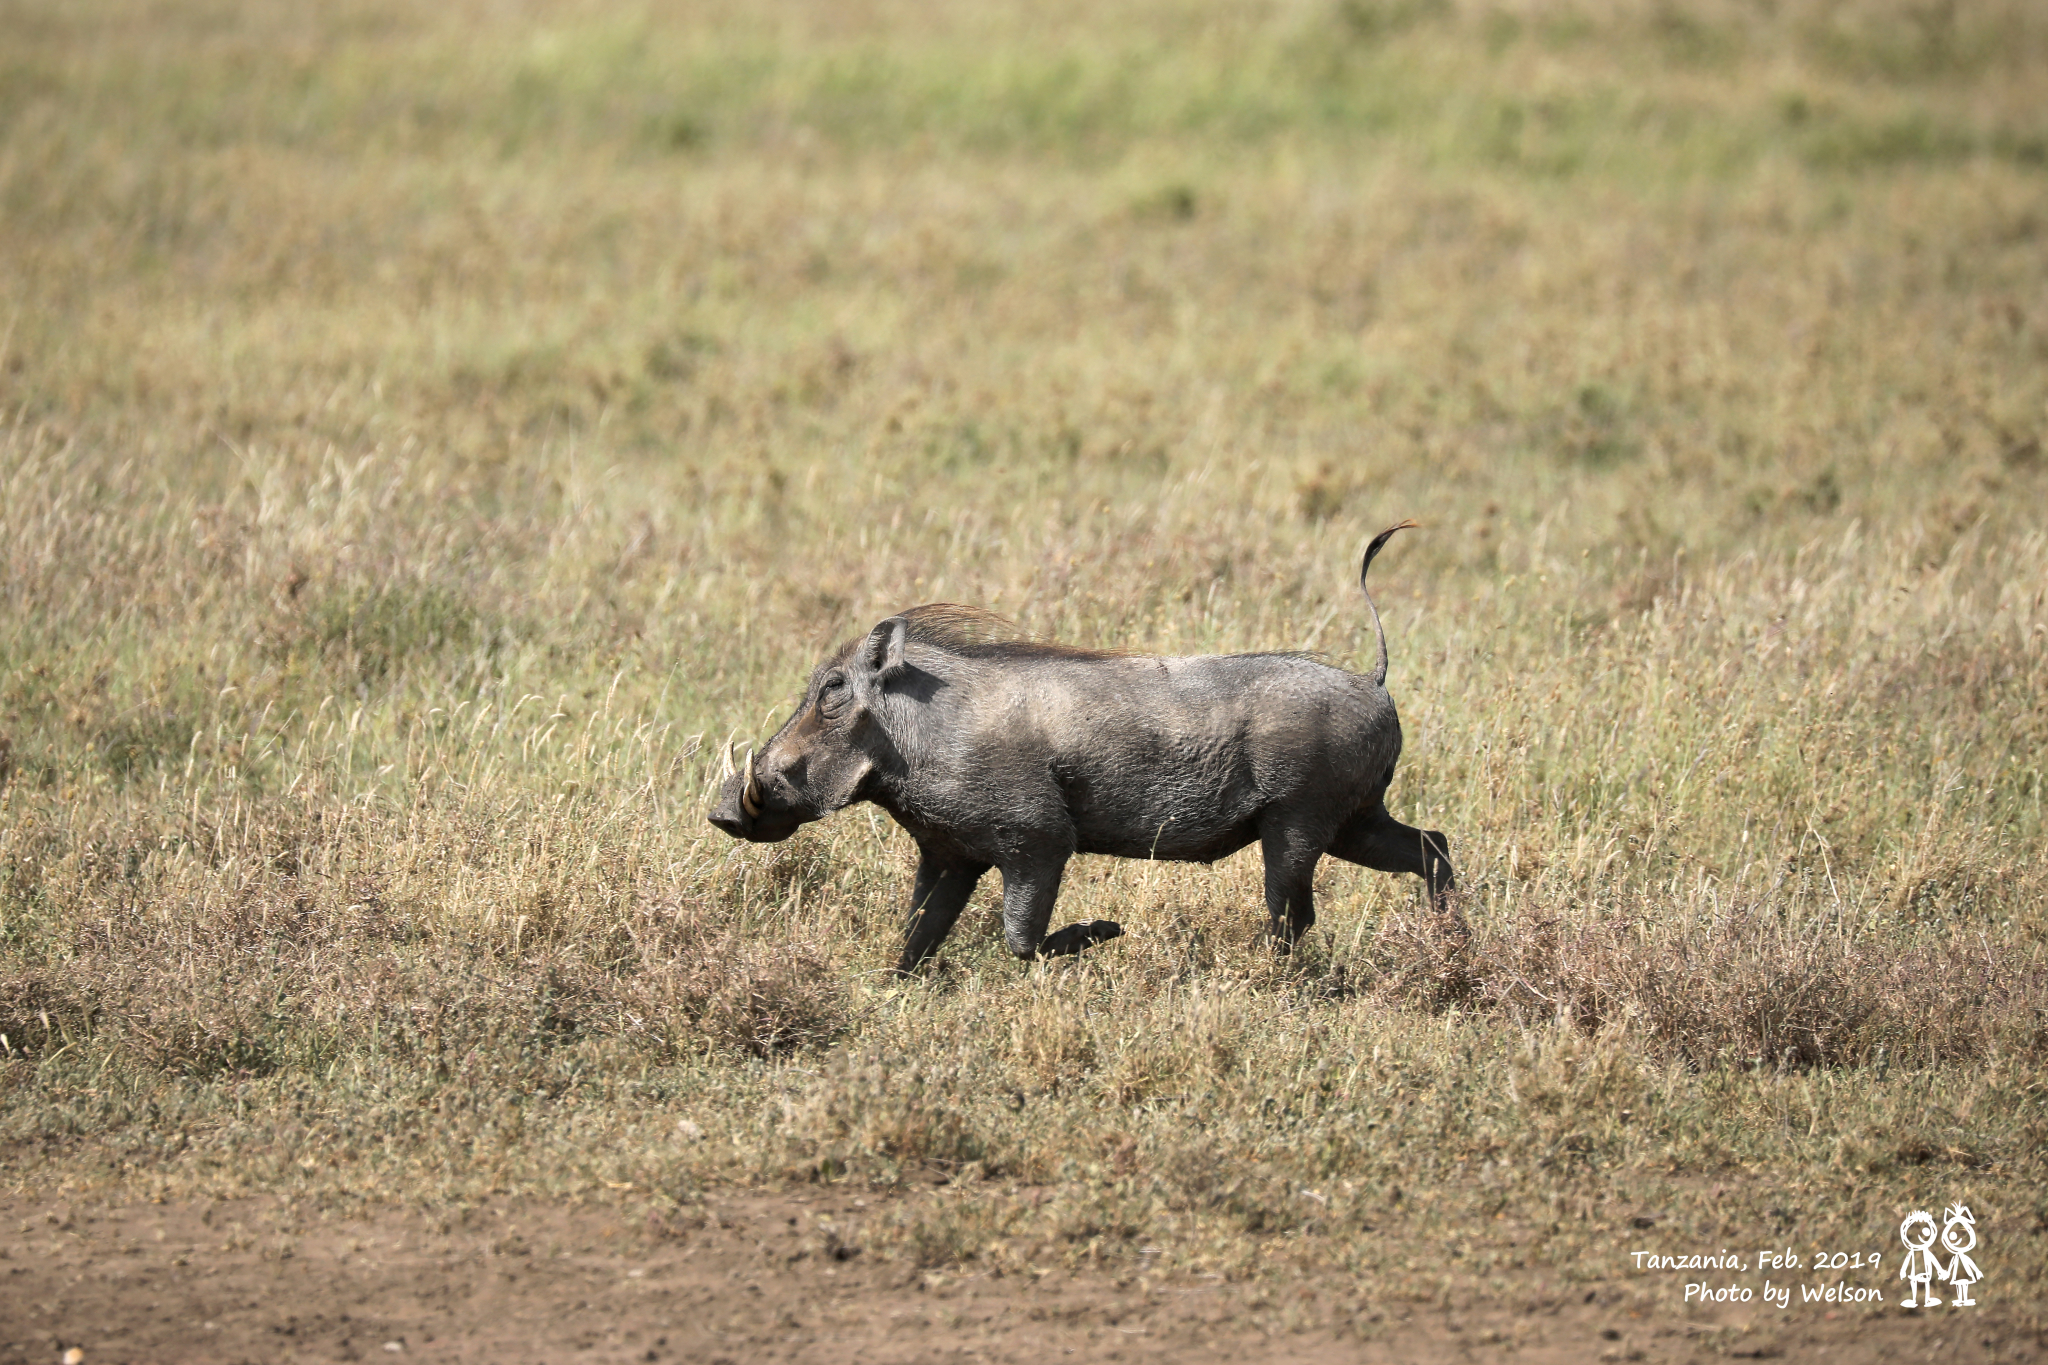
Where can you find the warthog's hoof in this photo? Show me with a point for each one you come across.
(1072, 939)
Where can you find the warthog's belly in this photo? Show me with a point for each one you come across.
(1181, 846)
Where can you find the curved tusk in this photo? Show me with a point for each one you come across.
(725, 772)
(750, 795)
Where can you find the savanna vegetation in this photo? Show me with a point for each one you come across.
(429, 433)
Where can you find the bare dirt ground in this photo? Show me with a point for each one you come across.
(780, 1278)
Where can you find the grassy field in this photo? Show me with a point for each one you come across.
(428, 434)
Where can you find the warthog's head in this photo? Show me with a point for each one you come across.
(822, 755)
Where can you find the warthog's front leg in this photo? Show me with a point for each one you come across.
(1030, 886)
(1082, 934)
(936, 900)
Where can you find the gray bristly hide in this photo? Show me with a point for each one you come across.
(1018, 755)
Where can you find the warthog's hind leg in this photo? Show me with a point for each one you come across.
(1372, 838)
(1290, 884)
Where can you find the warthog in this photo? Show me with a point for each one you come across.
(1018, 755)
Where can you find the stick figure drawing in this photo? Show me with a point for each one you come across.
(1959, 1235)
(1921, 1266)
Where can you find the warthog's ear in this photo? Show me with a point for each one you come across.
(883, 649)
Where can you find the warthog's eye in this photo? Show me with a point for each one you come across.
(832, 696)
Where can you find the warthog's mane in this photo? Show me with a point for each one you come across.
(973, 633)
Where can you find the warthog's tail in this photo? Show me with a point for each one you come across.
(1379, 676)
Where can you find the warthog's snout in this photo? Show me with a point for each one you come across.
(747, 810)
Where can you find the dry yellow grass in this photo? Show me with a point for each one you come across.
(427, 439)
